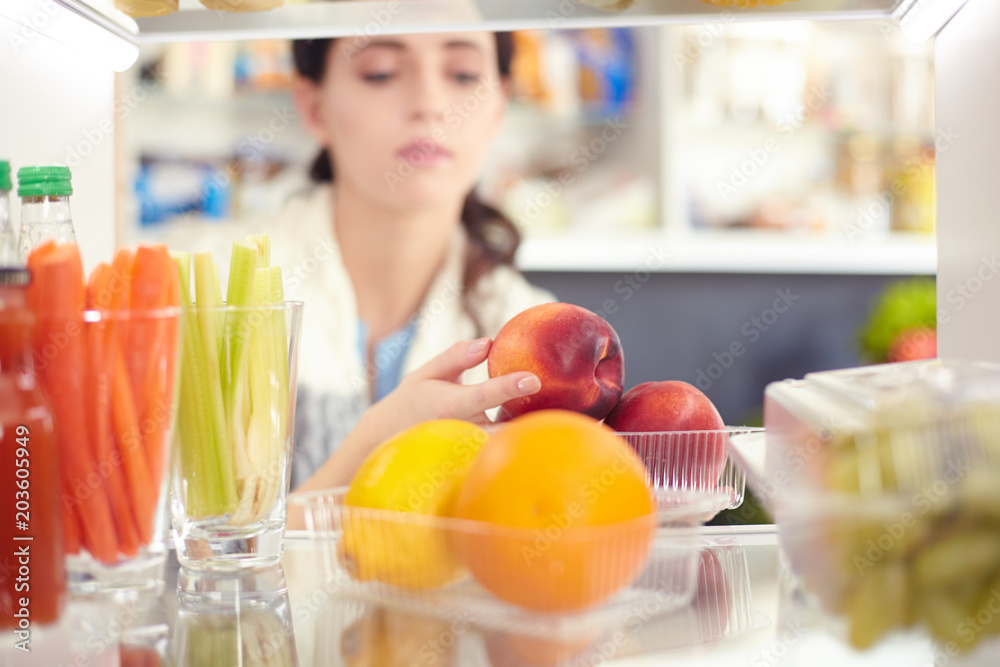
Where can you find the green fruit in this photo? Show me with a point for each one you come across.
(843, 471)
(903, 305)
(878, 603)
(947, 612)
(958, 558)
(979, 495)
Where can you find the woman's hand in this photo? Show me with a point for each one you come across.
(433, 391)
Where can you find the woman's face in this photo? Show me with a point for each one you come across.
(408, 119)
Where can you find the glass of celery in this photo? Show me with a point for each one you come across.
(236, 410)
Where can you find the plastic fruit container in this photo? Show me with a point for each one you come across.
(687, 464)
(885, 484)
(620, 564)
(351, 632)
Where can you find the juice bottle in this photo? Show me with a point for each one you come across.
(32, 570)
(44, 193)
(9, 255)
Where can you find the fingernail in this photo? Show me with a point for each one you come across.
(529, 384)
(477, 346)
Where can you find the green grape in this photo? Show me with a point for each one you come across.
(957, 558)
(947, 611)
(984, 422)
(842, 475)
(878, 603)
(979, 495)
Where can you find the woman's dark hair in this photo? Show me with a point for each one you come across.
(493, 238)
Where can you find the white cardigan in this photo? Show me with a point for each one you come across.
(333, 385)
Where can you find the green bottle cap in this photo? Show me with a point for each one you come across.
(44, 182)
(4, 176)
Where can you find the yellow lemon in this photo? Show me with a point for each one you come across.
(417, 474)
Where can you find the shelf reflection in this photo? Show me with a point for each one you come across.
(237, 618)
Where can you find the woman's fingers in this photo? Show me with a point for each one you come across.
(474, 399)
(450, 364)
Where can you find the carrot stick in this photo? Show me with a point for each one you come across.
(155, 285)
(125, 424)
(57, 296)
(121, 276)
(71, 530)
(121, 288)
(102, 343)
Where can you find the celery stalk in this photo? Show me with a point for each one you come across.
(195, 431)
(263, 244)
(269, 290)
(237, 333)
(241, 277)
(220, 316)
(204, 274)
(268, 380)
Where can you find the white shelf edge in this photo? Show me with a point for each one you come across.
(735, 252)
(342, 18)
(921, 20)
(339, 19)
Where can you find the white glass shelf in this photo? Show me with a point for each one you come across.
(731, 252)
(350, 17)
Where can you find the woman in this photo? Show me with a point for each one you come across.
(402, 260)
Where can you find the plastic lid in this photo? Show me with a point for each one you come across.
(5, 184)
(52, 181)
(15, 277)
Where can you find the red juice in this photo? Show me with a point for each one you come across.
(32, 569)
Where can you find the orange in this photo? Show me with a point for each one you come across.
(573, 519)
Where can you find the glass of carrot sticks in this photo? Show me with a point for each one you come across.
(106, 351)
(235, 411)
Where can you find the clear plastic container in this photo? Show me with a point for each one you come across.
(885, 484)
(620, 565)
(882, 429)
(692, 463)
(351, 632)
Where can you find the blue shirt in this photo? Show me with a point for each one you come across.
(388, 357)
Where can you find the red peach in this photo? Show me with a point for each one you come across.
(576, 355)
(695, 459)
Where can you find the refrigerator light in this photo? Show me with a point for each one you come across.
(92, 28)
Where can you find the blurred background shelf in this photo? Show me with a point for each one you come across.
(763, 147)
(731, 252)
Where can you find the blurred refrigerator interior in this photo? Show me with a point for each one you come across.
(814, 130)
